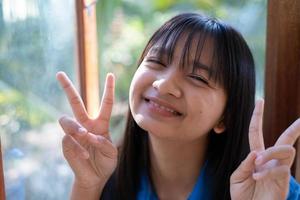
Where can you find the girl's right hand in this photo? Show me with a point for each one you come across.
(87, 144)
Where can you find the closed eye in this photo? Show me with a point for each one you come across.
(155, 61)
(199, 78)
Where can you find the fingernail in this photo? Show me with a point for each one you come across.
(258, 160)
(82, 130)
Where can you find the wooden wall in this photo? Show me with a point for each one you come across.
(282, 74)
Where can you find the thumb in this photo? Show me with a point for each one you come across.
(245, 170)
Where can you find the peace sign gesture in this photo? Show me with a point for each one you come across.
(87, 145)
(265, 173)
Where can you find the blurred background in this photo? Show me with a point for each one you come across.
(38, 38)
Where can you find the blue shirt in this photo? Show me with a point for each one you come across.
(201, 189)
(294, 192)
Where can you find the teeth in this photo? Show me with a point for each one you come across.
(163, 108)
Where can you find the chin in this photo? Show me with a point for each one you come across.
(143, 122)
(155, 130)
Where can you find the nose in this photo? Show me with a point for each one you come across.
(168, 83)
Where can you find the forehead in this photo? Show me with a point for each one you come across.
(195, 43)
(189, 50)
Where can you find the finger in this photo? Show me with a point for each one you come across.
(83, 137)
(256, 139)
(285, 154)
(72, 149)
(107, 101)
(72, 127)
(106, 147)
(73, 97)
(245, 169)
(76, 131)
(279, 172)
(290, 135)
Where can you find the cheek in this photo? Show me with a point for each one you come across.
(131, 90)
(210, 103)
(135, 82)
(218, 102)
(205, 110)
(133, 93)
(141, 81)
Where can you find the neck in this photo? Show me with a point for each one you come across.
(175, 165)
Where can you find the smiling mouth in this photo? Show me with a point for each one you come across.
(163, 108)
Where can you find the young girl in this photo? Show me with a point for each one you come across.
(189, 125)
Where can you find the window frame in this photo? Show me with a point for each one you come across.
(283, 36)
(87, 51)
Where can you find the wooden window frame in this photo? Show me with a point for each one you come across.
(282, 72)
(88, 74)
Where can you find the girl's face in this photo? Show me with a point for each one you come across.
(176, 103)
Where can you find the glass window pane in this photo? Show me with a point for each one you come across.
(37, 39)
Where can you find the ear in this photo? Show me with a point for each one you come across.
(220, 127)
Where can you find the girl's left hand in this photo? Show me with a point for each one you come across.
(265, 173)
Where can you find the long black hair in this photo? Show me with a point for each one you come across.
(233, 68)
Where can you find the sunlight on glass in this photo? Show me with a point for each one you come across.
(37, 39)
(14, 10)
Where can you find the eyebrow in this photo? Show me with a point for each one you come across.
(158, 50)
(199, 65)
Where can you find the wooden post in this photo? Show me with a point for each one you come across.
(2, 185)
(88, 54)
(282, 75)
